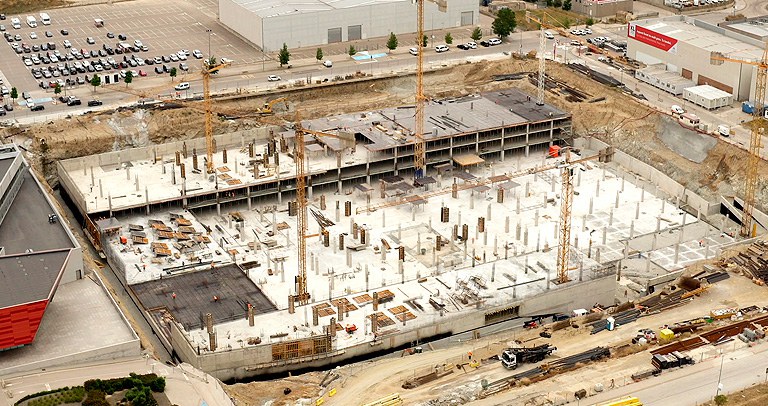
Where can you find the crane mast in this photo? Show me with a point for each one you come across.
(756, 137)
(302, 296)
(542, 66)
(755, 145)
(419, 152)
(208, 120)
(564, 248)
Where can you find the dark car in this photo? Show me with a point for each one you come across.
(159, 69)
(484, 44)
(462, 46)
(64, 32)
(110, 35)
(2, 112)
(74, 102)
(8, 107)
(38, 107)
(92, 103)
(2, 16)
(122, 37)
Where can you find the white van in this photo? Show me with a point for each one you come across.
(45, 19)
(182, 86)
(31, 22)
(549, 35)
(724, 130)
(16, 23)
(441, 48)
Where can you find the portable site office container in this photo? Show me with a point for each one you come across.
(708, 97)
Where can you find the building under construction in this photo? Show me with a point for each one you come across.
(211, 258)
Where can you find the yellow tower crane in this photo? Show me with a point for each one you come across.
(419, 150)
(207, 71)
(566, 204)
(756, 139)
(301, 297)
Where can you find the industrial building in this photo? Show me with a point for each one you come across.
(43, 322)
(270, 24)
(755, 27)
(684, 45)
(390, 260)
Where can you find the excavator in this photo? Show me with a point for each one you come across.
(267, 109)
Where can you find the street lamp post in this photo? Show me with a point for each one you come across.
(209, 31)
(720, 376)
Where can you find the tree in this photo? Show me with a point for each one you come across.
(212, 61)
(57, 89)
(392, 41)
(567, 23)
(95, 82)
(128, 78)
(424, 41)
(352, 51)
(557, 3)
(477, 33)
(590, 22)
(173, 73)
(720, 400)
(319, 54)
(14, 94)
(567, 5)
(284, 56)
(448, 38)
(504, 23)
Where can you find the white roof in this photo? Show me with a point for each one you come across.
(703, 38)
(707, 92)
(275, 8)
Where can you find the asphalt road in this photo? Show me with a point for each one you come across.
(698, 383)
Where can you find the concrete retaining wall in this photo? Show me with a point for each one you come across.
(663, 182)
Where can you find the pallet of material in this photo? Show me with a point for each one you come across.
(166, 235)
(324, 309)
(135, 227)
(347, 306)
(362, 299)
(201, 239)
(161, 227)
(187, 230)
(382, 320)
(719, 314)
(181, 221)
(181, 236)
(385, 296)
(139, 240)
(407, 316)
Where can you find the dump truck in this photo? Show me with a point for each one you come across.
(511, 357)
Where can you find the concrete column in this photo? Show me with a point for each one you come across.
(525, 237)
(597, 189)
(604, 233)
(506, 225)
(517, 231)
(536, 218)
(616, 203)
(591, 204)
(637, 210)
(610, 217)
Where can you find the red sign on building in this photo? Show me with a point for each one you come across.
(652, 38)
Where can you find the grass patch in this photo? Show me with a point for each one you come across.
(554, 16)
(25, 6)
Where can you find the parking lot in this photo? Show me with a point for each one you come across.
(164, 29)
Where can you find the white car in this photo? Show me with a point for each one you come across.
(32, 35)
(413, 51)
(587, 31)
(182, 86)
(27, 62)
(328, 63)
(441, 48)
(90, 40)
(197, 54)
(67, 44)
(471, 45)
(182, 56)
(137, 43)
(677, 109)
(494, 41)
(227, 60)
(272, 78)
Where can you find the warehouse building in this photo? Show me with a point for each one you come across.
(684, 45)
(756, 27)
(270, 23)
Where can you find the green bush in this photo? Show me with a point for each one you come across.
(157, 385)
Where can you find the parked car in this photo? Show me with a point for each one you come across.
(494, 41)
(197, 54)
(677, 109)
(441, 48)
(328, 63)
(182, 86)
(64, 32)
(92, 103)
(273, 78)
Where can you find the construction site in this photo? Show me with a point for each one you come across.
(377, 215)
